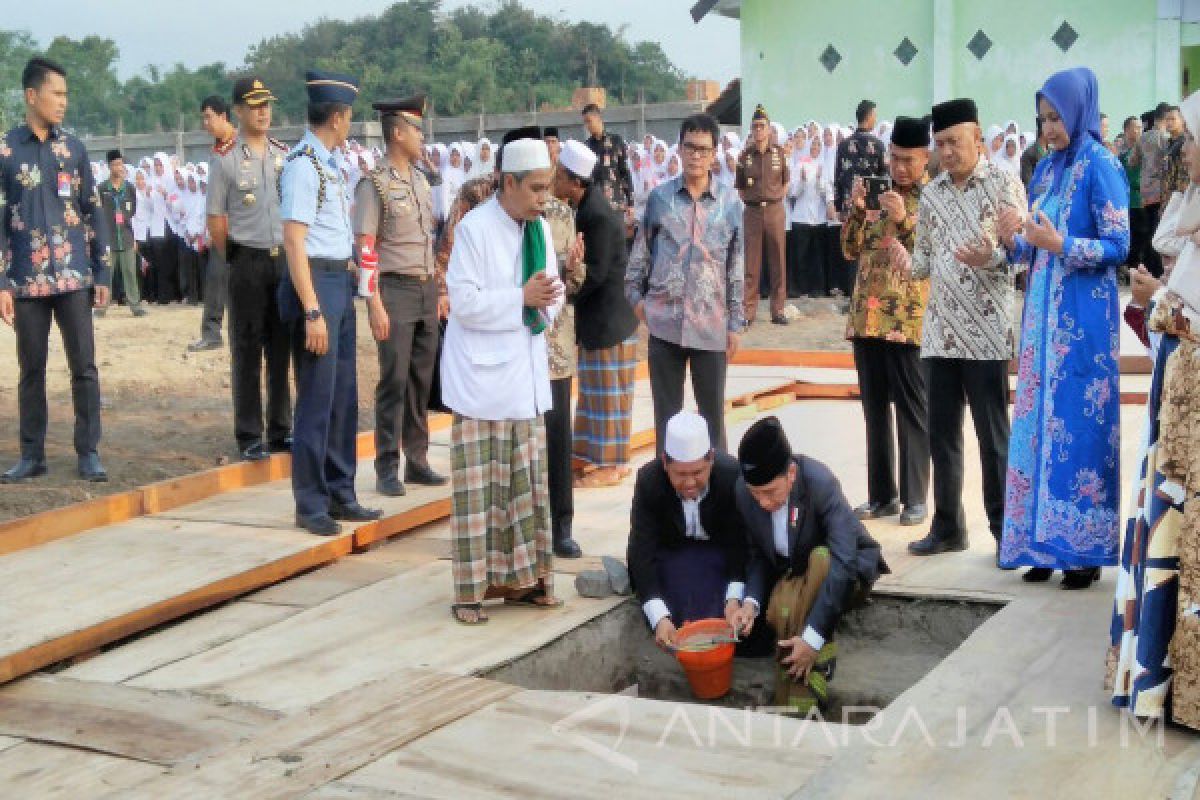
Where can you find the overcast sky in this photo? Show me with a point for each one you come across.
(199, 32)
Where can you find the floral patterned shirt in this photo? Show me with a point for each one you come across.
(688, 267)
(969, 314)
(886, 304)
(53, 237)
(560, 339)
(474, 192)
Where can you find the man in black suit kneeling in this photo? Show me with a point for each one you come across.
(809, 559)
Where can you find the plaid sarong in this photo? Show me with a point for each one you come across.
(501, 517)
(604, 407)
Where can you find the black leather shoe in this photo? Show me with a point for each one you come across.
(25, 469)
(283, 445)
(1080, 578)
(320, 524)
(933, 544)
(873, 510)
(779, 319)
(390, 486)
(566, 547)
(914, 514)
(354, 512)
(90, 469)
(255, 452)
(1037, 575)
(202, 344)
(422, 475)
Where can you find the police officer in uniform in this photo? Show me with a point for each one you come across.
(393, 218)
(317, 298)
(762, 180)
(245, 226)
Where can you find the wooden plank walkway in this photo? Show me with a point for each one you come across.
(189, 544)
(352, 682)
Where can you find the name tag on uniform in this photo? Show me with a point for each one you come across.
(64, 184)
(119, 217)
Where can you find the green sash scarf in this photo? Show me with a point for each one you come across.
(533, 261)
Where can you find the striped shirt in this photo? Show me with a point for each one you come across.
(969, 311)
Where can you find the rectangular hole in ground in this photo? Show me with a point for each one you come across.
(884, 647)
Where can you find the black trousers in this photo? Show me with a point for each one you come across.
(808, 267)
(983, 386)
(1139, 237)
(216, 293)
(256, 333)
(156, 257)
(1152, 259)
(73, 313)
(168, 268)
(892, 374)
(189, 272)
(668, 366)
(558, 450)
(840, 271)
(406, 362)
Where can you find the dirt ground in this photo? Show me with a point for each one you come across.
(167, 412)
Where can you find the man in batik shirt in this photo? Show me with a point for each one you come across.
(686, 280)
(884, 326)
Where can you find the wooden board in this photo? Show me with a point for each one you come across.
(402, 622)
(148, 726)
(75, 595)
(179, 641)
(46, 772)
(306, 751)
(325, 583)
(527, 746)
(18, 534)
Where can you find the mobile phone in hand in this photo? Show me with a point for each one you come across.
(876, 186)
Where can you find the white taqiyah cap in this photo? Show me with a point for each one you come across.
(526, 155)
(687, 437)
(578, 159)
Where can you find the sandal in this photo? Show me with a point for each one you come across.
(600, 479)
(457, 609)
(531, 597)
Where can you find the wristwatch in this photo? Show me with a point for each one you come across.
(312, 315)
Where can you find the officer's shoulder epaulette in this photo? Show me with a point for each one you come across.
(226, 147)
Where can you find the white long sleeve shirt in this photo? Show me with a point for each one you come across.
(493, 366)
(141, 217)
(158, 214)
(808, 198)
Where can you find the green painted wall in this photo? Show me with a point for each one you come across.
(1135, 55)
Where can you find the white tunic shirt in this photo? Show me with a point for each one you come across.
(493, 366)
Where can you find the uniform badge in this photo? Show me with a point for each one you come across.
(749, 181)
(249, 199)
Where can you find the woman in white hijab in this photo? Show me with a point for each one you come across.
(485, 160)
(195, 231)
(808, 202)
(453, 176)
(1009, 157)
(994, 142)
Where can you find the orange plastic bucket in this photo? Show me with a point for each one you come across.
(709, 668)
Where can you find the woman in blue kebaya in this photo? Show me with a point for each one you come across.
(1063, 486)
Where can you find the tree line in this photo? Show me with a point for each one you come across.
(468, 60)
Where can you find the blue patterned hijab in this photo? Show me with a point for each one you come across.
(1075, 95)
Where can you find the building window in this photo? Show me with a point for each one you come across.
(979, 45)
(1065, 37)
(906, 52)
(830, 58)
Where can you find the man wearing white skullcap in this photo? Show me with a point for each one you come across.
(687, 541)
(607, 328)
(504, 293)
